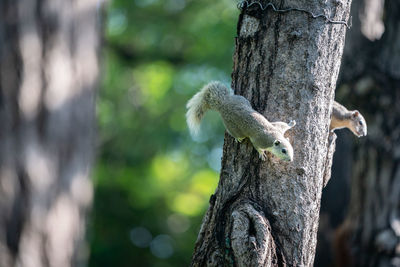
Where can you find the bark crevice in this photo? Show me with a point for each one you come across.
(251, 237)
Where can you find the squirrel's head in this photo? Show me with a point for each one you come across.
(282, 149)
(358, 125)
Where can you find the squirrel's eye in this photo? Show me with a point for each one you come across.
(276, 143)
(283, 151)
(360, 122)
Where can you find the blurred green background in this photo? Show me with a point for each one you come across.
(152, 179)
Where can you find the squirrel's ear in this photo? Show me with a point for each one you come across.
(292, 123)
(355, 113)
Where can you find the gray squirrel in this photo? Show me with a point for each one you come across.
(240, 120)
(351, 119)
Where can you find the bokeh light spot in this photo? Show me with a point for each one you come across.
(140, 237)
(117, 22)
(178, 223)
(162, 246)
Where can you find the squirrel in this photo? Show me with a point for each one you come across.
(343, 118)
(240, 120)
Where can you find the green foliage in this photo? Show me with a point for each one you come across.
(152, 179)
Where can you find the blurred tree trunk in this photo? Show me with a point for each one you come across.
(336, 195)
(266, 213)
(370, 235)
(48, 76)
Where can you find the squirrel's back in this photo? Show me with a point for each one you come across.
(211, 96)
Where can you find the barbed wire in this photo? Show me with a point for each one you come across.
(245, 4)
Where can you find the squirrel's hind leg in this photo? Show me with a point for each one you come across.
(235, 132)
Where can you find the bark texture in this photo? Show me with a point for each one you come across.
(370, 235)
(266, 213)
(48, 76)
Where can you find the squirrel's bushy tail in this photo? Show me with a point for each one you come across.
(210, 96)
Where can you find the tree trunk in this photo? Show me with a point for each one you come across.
(266, 213)
(370, 235)
(48, 76)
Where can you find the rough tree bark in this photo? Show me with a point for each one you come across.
(370, 235)
(266, 213)
(48, 76)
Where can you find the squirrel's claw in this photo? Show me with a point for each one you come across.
(239, 140)
(292, 123)
(262, 155)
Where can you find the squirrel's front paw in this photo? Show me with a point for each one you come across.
(239, 140)
(262, 155)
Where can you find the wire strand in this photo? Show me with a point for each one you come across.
(245, 4)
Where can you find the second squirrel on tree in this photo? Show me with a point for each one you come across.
(240, 120)
(351, 119)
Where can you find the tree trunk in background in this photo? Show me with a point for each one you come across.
(336, 195)
(370, 235)
(266, 213)
(48, 76)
